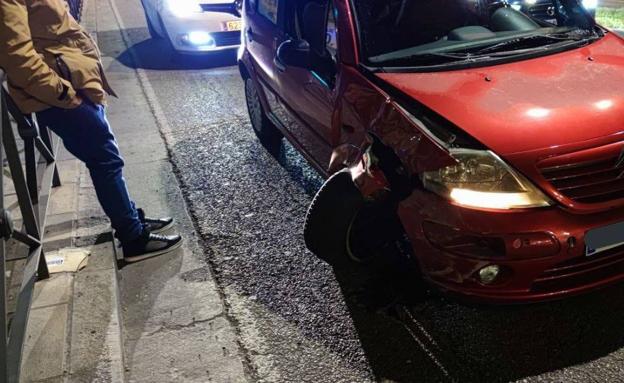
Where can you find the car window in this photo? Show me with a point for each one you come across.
(268, 9)
(332, 33)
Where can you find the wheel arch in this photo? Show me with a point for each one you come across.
(375, 167)
(242, 69)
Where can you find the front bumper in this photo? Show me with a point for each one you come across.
(215, 24)
(529, 277)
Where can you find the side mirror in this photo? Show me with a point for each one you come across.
(295, 53)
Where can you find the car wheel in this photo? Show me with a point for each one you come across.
(332, 218)
(268, 134)
(341, 224)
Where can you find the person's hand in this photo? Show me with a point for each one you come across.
(75, 102)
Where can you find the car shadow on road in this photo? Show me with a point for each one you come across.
(410, 336)
(157, 54)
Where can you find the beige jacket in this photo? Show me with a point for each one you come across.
(47, 56)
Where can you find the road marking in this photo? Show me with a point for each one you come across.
(428, 350)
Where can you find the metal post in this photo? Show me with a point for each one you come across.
(19, 181)
(45, 137)
(4, 122)
(31, 169)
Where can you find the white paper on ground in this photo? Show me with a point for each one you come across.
(68, 260)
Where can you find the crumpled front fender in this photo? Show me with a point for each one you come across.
(399, 143)
(364, 165)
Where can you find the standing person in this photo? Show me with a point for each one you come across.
(53, 69)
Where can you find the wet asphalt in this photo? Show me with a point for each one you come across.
(300, 320)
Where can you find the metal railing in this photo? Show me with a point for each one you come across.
(33, 177)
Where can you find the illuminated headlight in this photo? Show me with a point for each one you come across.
(590, 4)
(182, 8)
(200, 39)
(480, 179)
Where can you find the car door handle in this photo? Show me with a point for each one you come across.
(249, 34)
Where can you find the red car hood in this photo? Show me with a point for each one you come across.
(544, 102)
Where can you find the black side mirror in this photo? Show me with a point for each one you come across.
(295, 53)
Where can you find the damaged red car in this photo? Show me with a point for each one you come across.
(490, 140)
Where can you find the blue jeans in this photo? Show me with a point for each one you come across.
(87, 135)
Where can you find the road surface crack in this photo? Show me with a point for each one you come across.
(167, 327)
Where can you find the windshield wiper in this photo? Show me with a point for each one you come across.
(449, 58)
(553, 37)
(433, 58)
(495, 51)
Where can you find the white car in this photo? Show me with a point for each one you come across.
(195, 26)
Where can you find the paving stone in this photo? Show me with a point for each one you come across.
(56, 379)
(89, 204)
(63, 199)
(212, 360)
(53, 291)
(155, 187)
(114, 69)
(139, 148)
(45, 344)
(102, 257)
(59, 231)
(11, 204)
(69, 171)
(132, 122)
(159, 293)
(96, 353)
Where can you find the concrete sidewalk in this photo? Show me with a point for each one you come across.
(161, 320)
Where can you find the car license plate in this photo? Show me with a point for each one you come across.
(604, 238)
(233, 25)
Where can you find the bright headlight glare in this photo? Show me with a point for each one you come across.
(590, 4)
(200, 38)
(480, 179)
(183, 7)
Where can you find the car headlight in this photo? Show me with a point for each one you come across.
(590, 4)
(480, 179)
(183, 7)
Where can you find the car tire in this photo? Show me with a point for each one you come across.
(268, 134)
(341, 225)
(330, 217)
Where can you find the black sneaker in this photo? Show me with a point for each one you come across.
(155, 225)
(150, 245)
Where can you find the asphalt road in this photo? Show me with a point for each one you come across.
(298, 319)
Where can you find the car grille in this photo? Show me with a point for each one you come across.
(581, 271)
(224, 39)
(588, 181)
